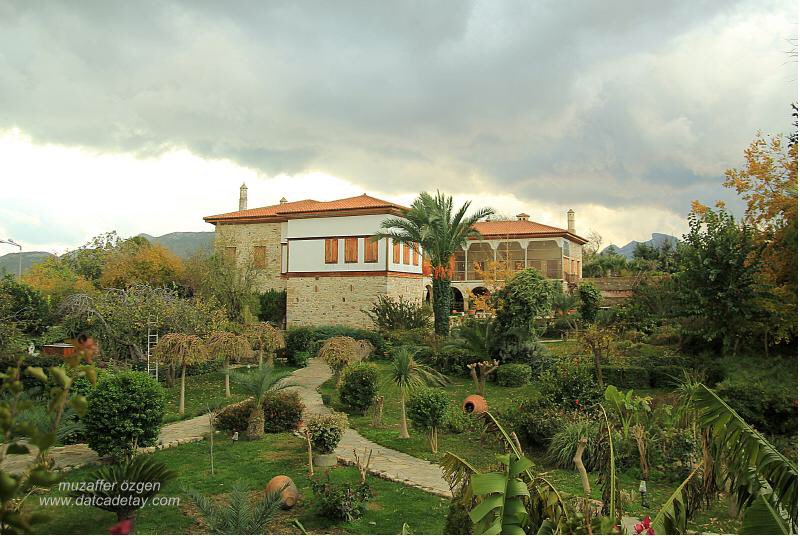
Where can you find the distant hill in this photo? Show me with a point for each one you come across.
(181, 244)
(10, 261)
(656, 240)
(184, 244)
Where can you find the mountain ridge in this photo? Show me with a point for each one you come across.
(656, 240)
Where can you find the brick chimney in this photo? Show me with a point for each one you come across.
(283, 201)
(571, 221)
(523, 217)
(243, 197)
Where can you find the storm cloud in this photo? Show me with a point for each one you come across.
(622, 104)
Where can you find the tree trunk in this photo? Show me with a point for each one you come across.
(227, 379)
(271, 358)
(260, 355)
(441, 306)
(434, 441)
(181, 404)
(403, 421)
(597, 368)
(578, 461)
(255, 424)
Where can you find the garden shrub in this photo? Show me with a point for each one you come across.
(625, 376)
(272, 306)
(565, 382)
(458, 520)
(326, 431)
(589, 305)
(514, 375)
(535, 421)
(389, 313)
(323, 333)
(564, 442)
(665, 335)
(456, 420)
(666, 376)
(342, 502)
(283, 411)
(298, 340)
(125, 411)
(359, 386)
(770, 408)
(450, 360)
(427, 409)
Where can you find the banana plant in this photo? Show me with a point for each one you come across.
(501, 509)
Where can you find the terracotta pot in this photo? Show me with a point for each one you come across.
(289, 491)
(325, 460)
(475, 404)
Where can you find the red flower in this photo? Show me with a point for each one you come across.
(123, 527)
(644, 526)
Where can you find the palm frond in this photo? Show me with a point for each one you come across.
(674, 513)
(457, 471)
(762, 518)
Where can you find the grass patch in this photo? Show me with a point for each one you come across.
(252, 464)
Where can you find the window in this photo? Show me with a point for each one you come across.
(406, 254)
(416, 256)
(351, 249)
(259, 256)
(331, 251)
(370, 250)
(230, 254)
(396, 253)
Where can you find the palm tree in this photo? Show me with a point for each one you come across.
(239, 515)
(407, 373)
(228, 346)
(258, 385)
(267, 338)
(431, 225)
(181, 350)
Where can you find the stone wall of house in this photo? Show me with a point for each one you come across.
(409, 288)
(316, 301)
(244, 237)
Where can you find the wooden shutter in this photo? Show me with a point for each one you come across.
(406, 254)
(416, 256)
(396, 253)
(331, 250)
(260, 256)
(370, 250)
(351, 249)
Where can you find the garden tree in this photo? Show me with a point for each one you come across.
(136, 261)
(258, 385)
(119, 318)
(719, 264)
(599, 341)
(427, 409)
(523, 300)
(181, 350)
(272, 306)
(655, 301)
(228, 347)
(55, 279)
(408, 374)
(432, 226)
(607, 264)
(89, 260)
(592, 248)
(768, 184)
(479, 372)
(267, 338)
(564, 305)
(231, 285)
(589, 297)
(28, 307)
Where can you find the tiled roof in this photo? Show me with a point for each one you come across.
(308, 206)
(521, 227)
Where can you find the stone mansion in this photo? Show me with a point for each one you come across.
(320, 253)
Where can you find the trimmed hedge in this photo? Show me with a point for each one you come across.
(283, 411)
(310, 339)
(514, 375)
(770, 408)
(666, 376)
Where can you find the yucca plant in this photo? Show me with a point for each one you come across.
(238, 514)
(148, 475)
(228, 347)
(407, 373)
(258, 385)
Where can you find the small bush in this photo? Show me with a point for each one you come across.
(298, 340)
(390, 313)
(427, 409)
(125, 412)
(272, 306)
(323, 333)
(326, 431)
(534, 420)
(514, 375)
(359, 386)
(343, 502)
(564, 443)
(625, 376)
(458, 520)
(589, 305)
(456, 421)
(565, 382)
(283, 411)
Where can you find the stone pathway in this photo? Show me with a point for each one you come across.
(74, 456)
(385, 463)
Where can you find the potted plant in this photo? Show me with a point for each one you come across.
(325, 432)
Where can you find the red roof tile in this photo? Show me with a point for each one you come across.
(308, 206)
(521, 227)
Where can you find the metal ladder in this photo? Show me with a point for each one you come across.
(152, 340)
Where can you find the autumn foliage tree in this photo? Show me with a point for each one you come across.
(56, 279)
(139, 262)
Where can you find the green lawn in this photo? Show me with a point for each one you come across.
(253, 464)
(204, 391)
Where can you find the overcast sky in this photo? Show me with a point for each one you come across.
(147, 116)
